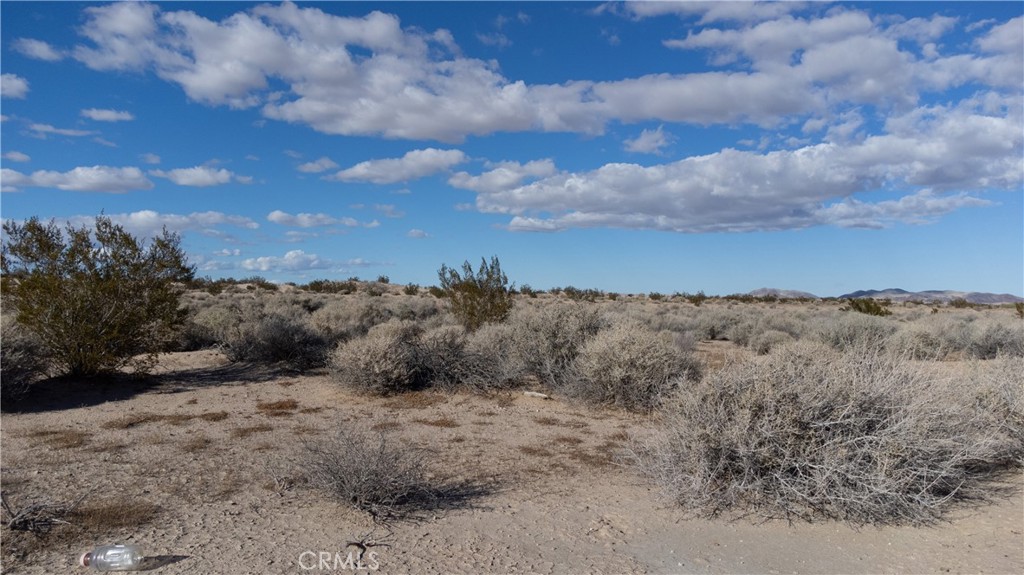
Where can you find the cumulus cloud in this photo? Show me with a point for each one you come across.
(199, 176)
(417, 234)
(413, 165)
(932, 155)
(150, 158)
(81, 179)
(712, 11)
(649, 141)
(503, 176)
(16, 156)
(13, 86)
(107, 115)
(294, 260)
(321, 165)
(37, 49)
(370, 76)
(308, 220)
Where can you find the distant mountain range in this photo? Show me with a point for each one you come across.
(782, 293)
(899, 295)
(896, 294)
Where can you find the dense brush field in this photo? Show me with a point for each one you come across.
(805, 409)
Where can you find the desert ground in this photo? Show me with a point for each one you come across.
(203, 465)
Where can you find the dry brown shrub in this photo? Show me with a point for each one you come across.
(630, 366)
(384, 362)
(808, 432)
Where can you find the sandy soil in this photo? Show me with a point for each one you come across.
(549, 498)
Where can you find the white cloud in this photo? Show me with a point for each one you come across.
(150, 223)
(13, 86)
(503, 176)
(413, 165)
(321, 165)
(933, 155)
(150, 158)
(80, 179)
(308, 220)
(107, 115)
(1006, 37)
(294, 260)
(370, 76)
(198, 176)
(37, 49)
(649, 141)
(42, 130)
(16, 156)
(104, 142)
(919, 208)
(227, 253)
(417, 234)
(714, 11)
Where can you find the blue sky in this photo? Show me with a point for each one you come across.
(629, 147)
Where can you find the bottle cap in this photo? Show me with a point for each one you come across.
(85, 559)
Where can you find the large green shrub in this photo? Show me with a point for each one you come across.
(99, 300)
(480, 297)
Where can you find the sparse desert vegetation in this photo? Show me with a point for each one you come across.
(385, 401)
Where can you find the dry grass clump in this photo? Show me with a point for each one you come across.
(280, 408)
(61, 439)
(371, 473)
(106, 514)
(243, 432)
(631, 367)
(142, 418)
(808, 432)
(444, 422)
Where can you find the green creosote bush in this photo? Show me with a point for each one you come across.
(480, 297)
(99, 299)
(331, 286)
(868, 306)
(629, 366)
(809, 432)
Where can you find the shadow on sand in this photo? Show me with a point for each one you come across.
(59, 393)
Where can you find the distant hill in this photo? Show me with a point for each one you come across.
(943, 296)
(782, 293)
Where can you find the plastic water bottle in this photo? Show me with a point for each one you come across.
(116, 557)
